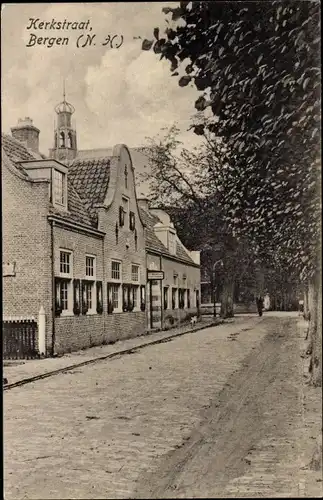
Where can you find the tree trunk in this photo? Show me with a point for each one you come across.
(305, 312)
(227, 298)
(316, 334)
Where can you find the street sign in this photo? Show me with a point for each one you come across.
(155, 275)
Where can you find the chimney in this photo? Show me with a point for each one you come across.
(27, 133)
(143, 203)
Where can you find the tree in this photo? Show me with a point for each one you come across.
(257, 66)
(189, 193)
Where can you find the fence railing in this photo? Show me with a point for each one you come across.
(19, 338)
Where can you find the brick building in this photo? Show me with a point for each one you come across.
(80, 244)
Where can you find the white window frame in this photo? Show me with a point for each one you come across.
(92, 276)
(111, 278)
(63, 284)
(91, 285)
(136, 295)
(119, 293)
(69, 276)
(70, 273)
(137, 280)
(60, 177)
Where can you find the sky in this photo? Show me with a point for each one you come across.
(120, 95)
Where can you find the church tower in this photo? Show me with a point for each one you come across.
(65, 147)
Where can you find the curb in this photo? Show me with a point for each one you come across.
(130, 350)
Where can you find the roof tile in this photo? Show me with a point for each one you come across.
(90, 177)
(153, 242)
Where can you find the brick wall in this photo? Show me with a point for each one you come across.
(192, 282)
(75, 332)
(26, 237)
(26, 240)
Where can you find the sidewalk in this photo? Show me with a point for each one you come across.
(18, 370)
(311, 480)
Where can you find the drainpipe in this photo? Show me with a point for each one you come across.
(104, 286)
(53, 287)
(161, 294)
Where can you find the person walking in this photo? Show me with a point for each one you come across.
(260, 304)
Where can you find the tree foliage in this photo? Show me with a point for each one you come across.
(257, 66)
(181, 181)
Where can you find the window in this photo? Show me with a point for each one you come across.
(65, 262)
(126, 176)
(171, 242)
(175, 279)
(181, 298)
(99, 297)
(59, 187)
(188, 299)
(142, 297)
(132, 221)
(89, 298)
(125, 208)
(76, 297)
(116, 270)
(134, 272)
(62, 140)
(115, 296)
(64, 295)
(90, 266)
(165, 297)
(135, 297)
(174, 290)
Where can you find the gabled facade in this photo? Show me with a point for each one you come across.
(81, 245)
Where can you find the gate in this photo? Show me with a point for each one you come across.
(19, 339)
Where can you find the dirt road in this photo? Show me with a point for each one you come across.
(214, 413)
(250, 443)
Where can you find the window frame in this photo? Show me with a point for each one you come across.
(172, 242)
(68, 274)
(59, 282)
(86, 286)
(133, 280)
(119, 279)
(136, 297)
(90, 276)
(116, 286)
(125, 202)
(62, 187)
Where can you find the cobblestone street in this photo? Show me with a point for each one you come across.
(217, 412)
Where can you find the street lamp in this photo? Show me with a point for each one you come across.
(220, 261)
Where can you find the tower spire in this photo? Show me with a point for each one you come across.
(65, 147)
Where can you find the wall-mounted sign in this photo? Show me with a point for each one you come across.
(155, 275)
(8, 269)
